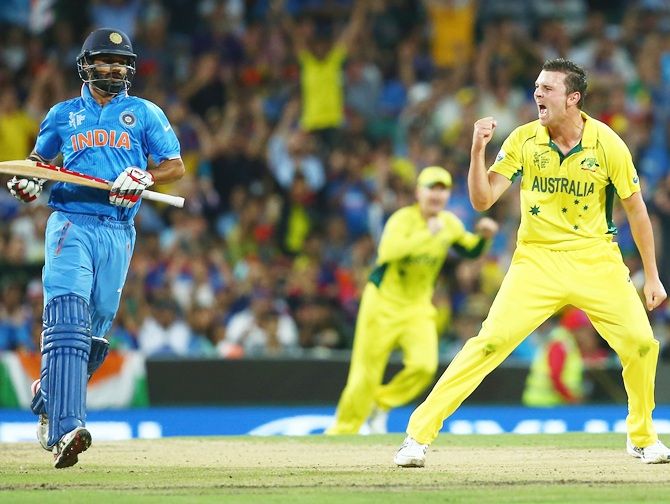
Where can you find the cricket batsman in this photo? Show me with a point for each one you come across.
(90, 235)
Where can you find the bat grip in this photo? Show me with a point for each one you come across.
(177, 201)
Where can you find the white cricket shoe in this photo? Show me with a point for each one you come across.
(73, 443)
(657, 453)
(378, 421)
(42, 421)
(411, 453)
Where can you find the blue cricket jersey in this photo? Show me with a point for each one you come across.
(102, 142)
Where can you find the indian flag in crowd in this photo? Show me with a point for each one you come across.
(121, 382)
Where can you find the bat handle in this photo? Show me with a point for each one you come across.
(177, 201)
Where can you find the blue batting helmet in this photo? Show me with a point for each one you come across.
(106, 41)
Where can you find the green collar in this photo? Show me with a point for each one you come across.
(576, 148)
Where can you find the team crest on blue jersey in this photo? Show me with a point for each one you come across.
(128, 119)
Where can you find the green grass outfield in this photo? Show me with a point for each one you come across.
(507, 468)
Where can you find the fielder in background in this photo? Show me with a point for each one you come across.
(90, 235)
(396, 310)
(571, 167)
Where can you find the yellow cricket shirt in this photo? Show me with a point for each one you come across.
(17, 135)
(453, 34)
(409, 257)
(322, 89)
(566, 201)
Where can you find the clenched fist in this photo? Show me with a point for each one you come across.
(25, 189)
(129, 186)
(487, 227)
(483, 132)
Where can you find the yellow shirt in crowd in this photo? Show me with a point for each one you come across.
(322, 89)
(17, 135)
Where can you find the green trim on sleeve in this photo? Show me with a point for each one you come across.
(609, 203)
(377, 275)
(476, 251)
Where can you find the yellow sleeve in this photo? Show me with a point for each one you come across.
(305, 57)
(338, 54)
(466, 243)
(508, 162)
(621, 169)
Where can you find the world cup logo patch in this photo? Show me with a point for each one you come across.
(128, 119)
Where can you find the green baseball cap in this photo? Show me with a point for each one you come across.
(434, 175)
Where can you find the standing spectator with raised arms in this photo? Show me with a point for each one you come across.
(90, 236)
(321, 60)
(571, 166)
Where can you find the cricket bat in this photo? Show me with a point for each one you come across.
(28, 168)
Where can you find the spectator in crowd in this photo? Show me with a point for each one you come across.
(321, 70)
(29, 227)
(362, 89)
(291, 153)
(122, 14)
(557, 374)
(16, 318)
(164, 332)
(452, 31)
(240, 141)
(351, 194)
(201, 319)
(609, 62)
(298, 217)
(262, 328)
(18, 129)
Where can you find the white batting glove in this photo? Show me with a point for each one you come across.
(25, 189)
(129, 186)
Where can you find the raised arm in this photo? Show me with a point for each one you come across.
(261, 130)
(485, 187)
(355, 25)
(288, 25)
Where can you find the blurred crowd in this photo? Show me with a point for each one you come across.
(303, 124)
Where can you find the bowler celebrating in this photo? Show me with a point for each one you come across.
(571, 167)
(90, 235)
